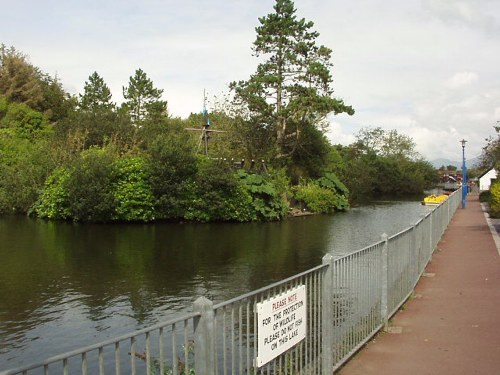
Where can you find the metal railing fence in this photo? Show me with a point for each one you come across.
(348, 300)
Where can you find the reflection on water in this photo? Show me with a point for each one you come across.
(363, 226)
(64, 285)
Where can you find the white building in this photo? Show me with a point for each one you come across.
(486, 178)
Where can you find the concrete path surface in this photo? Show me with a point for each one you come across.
(451, 326)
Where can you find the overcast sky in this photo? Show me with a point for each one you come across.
(427, 68)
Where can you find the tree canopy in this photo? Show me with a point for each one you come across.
(387, 143)
(291, 88)
(96, 95)
(490, 157)
(142, 99)
(19, 81)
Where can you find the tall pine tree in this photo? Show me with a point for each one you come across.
(291, 89)
(96, 95)
(143, 100)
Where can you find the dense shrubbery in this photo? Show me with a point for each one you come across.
(132, 192)
(327, 194)
(369, 174)
(215, 195)
(101, 186)
(484, 196)
(316, 198)
(82, 191)
(24, 166)
(495, 200)
(90, 186)
(23, 121)
(266, 201)
(54, 201)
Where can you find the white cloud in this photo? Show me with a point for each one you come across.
(337, 135)
(468, 13)
(461, 79)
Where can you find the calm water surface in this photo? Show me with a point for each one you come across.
(63, 286)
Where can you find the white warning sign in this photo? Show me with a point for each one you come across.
(281, 324)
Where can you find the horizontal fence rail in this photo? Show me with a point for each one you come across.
(327, 313)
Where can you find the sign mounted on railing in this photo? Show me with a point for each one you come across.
(281, 324)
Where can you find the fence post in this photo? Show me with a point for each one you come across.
(431, 241)
(204, 337)
(384, 306)
(413, 256)
(327, 317)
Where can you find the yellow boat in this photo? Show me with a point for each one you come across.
(434, 200)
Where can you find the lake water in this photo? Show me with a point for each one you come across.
(64, 285)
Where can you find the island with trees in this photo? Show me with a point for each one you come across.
(86, 158)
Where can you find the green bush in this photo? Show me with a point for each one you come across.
(485, 196)
(132, 191)
(24, 121)
(54, 201)
(217, 196)
(90, 186)
(266, 202)
(173, 169)
(495, 200)
(98, 188)
(324, 195)
(3, 106)
(316, 198)
(24, 166)
(331, 181)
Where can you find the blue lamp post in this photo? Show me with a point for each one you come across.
(464, 175)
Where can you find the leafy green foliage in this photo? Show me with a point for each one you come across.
(136, 163)
(95, 129)
(217, 196)
(265, 198)
(83, 159)
(57, 104)
(90, 186)
(331, 181)
(383, 163)
(24, 165)
(132, 192)
(111, 189)
(495, 200)
(316, 198)
(173, 167)
(21, 82)
(3, 106)
(55, 200)
(24, 155)
(324, 195)
(387, 143)
(25, 122)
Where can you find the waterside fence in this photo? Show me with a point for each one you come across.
(333, 310)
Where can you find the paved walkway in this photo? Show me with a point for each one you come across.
(452, 324)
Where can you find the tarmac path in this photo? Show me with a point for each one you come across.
(451, 325)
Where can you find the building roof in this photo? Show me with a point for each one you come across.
(488, 171)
